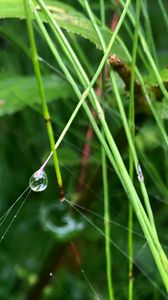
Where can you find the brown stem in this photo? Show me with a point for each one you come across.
(87, 148)
(125, 74)
(115, 18)
(85, 158)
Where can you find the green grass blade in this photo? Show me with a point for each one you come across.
(149, 233)
(107, 226)
(131, 159)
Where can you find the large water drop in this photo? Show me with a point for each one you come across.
(38, 181)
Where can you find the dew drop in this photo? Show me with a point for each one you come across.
(38, 181)
(139, 173)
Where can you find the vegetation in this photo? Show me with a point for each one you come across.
(83, 99)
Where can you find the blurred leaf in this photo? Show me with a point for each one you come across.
(67, 17)
(148, 138)
(68, 157)
(18, 91)
(152, 80)
(162, 108)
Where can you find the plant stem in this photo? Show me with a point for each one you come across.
(130, 246)
(123, 116)
(102, 12)
(144, 220)
(114, 155)
(131, 159)
(46, 113)
(107, 226)
(148, 54)
(106, 197)
(144, 91)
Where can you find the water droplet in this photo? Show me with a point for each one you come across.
(38, 181)
(139, 173)
(100, 115)
(51, 274)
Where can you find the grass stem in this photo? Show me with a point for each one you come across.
(107, 226)
(46, 113)
(131, 159)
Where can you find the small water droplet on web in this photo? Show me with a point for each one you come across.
(51, 274)
(38, 181)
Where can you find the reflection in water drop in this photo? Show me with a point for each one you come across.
(38, 181)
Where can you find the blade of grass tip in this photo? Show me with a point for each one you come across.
(46, 114)
(107, 227)
(117, 163)
(119, 160)
(131, 160)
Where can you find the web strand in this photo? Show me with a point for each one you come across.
(15, 216)
(119, 249)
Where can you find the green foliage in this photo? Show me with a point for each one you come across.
(66, 16)
(20, 91)
(36, 245)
